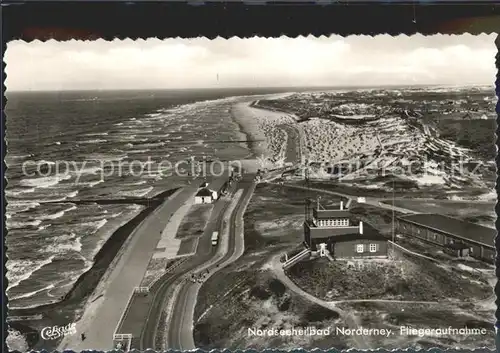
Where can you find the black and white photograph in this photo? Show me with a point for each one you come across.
(251, 193)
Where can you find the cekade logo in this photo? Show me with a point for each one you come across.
(54, 332)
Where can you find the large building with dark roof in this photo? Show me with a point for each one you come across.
(343, 237)
(453, 235)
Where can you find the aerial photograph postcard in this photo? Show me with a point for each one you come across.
(310, 192)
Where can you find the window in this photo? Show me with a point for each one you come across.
(373, 247)
(360, 248)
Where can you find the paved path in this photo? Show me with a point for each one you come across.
(362, 342)
(168, 245)
(102, 315)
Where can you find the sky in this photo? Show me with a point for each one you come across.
(254, 62)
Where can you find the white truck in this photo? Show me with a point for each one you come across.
(215, 238)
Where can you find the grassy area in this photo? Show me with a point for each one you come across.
(405, 278)
(187, 246)
(481, 213)
(401, 190)
(195, 221)
(275, 215)
(253, 299)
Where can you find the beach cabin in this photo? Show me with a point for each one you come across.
(203, 196)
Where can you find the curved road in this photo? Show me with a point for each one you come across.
(180, 329)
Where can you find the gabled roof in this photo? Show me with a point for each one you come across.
(204, 192)
(217, 184)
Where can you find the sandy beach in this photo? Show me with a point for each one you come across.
(324, 141)
(263, 126)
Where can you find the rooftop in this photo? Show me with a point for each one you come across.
(345, 233)
(454, 227)
(330, 213)
(204, 192)
(217, 184)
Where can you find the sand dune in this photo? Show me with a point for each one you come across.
(389, 145)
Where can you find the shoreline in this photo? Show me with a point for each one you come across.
(238, 115)
(150, 204)
(265, 128)
(70, 306)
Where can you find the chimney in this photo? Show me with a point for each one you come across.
(360, 227)
(341, 205)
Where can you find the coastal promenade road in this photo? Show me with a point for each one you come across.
(180, 327)
(104, 309)
(165, 287)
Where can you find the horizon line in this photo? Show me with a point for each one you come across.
(251, 87)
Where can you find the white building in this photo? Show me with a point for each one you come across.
(203, 196)
(209, 193)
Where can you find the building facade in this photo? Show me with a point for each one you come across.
(203, 196)
(211, 192)
(454, 236)
(341, 237)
